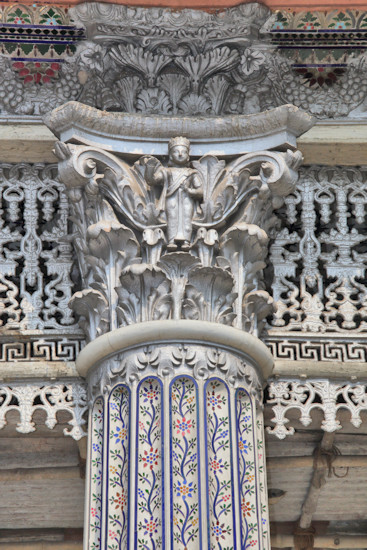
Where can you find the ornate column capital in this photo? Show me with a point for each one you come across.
(177, 238)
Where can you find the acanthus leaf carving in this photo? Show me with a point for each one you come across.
(202, 229)
(154, 61)
(174, 360)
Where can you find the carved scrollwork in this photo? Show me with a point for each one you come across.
(329, 397)
(26, 399)
(35, 255)
(172, 360)
(328, 254)
(202, 229)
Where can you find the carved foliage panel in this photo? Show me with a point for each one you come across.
(152, 240)
(319, 254)
(35, 253)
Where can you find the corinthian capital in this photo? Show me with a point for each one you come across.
(174, 234)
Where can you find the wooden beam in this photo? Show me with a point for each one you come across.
(26, 143)
(320, 369)
(317, 482)
(284, 463)
(322, 541)
(27, 474)
(335, 144)
(40, 452)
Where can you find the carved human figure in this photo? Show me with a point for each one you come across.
(182, 187)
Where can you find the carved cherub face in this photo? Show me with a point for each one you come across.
(179, 154)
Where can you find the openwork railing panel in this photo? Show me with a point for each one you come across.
(319, 254)
(35, 249)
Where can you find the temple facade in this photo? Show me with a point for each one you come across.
(183, 276)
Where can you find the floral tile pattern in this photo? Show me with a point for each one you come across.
(149, 524)
(219, 467)
(94, 536)
(248, 482)
(177, 462)
(313, 20)
(262, 484)
(185, 465)
(117, 528)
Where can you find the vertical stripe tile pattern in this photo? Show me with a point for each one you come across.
(149, 525)
(117, 523)
(185, 465)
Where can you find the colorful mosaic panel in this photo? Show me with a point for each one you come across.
(149, 526)
(38, 39)
(117, 528)
(94, 535)
(314, 20)
(185, 465)
(21, 14)
(320, 43)
(248, 482)
(221, 518)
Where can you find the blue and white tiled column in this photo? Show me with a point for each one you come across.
(176, 453)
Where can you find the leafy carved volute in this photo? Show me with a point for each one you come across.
(176, 240)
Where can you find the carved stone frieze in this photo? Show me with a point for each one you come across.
(176, 240)
(168, 361)
(329, 397)
(53, 347)
(318, 348)
(189, 62)
(26, 399)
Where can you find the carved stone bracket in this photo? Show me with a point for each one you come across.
(304, 397)
(26, 399)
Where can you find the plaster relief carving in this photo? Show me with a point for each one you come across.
(156, 61)
(158, 241)
(35, 254)
(328, 254)
(26, 399)
(329, 397)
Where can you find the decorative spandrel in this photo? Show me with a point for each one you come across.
(173, 240)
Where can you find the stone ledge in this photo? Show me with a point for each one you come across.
(326, 144)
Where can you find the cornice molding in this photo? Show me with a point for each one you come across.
(150, 134)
